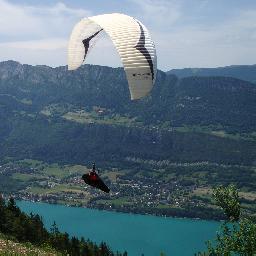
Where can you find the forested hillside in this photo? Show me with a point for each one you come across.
(192, 119)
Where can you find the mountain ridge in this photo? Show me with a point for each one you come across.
(243, 72)
(210, 106)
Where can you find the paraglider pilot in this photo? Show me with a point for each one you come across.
(93, 179)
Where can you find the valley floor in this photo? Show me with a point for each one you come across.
(180, 190)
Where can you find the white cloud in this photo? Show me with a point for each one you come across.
(40, 44)
(34, 34)
(37, 21)
(158, 13)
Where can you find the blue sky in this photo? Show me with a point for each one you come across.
(187, 33)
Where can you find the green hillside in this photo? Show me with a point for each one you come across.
(189, 134)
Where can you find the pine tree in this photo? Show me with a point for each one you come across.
(2, 215)
(54, 229)
(75, 246)
(11, 206)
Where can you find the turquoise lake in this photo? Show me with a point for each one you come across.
(136, 234)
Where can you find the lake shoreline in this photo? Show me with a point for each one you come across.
(110, 209)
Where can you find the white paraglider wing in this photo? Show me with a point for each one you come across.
(132, 41)
(82, 38)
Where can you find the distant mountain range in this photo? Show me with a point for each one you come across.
(188, 119)
(244, 72)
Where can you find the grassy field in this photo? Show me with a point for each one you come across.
(27, 177)
(217, 131)
(57, 188)
(112, 175)
(100, 118)
(9, 247)
(118, 202)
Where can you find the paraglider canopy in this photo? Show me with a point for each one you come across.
(132, 41)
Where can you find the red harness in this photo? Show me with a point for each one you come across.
(93, 176)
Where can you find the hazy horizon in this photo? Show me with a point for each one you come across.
(187, 34)
(122, 66)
